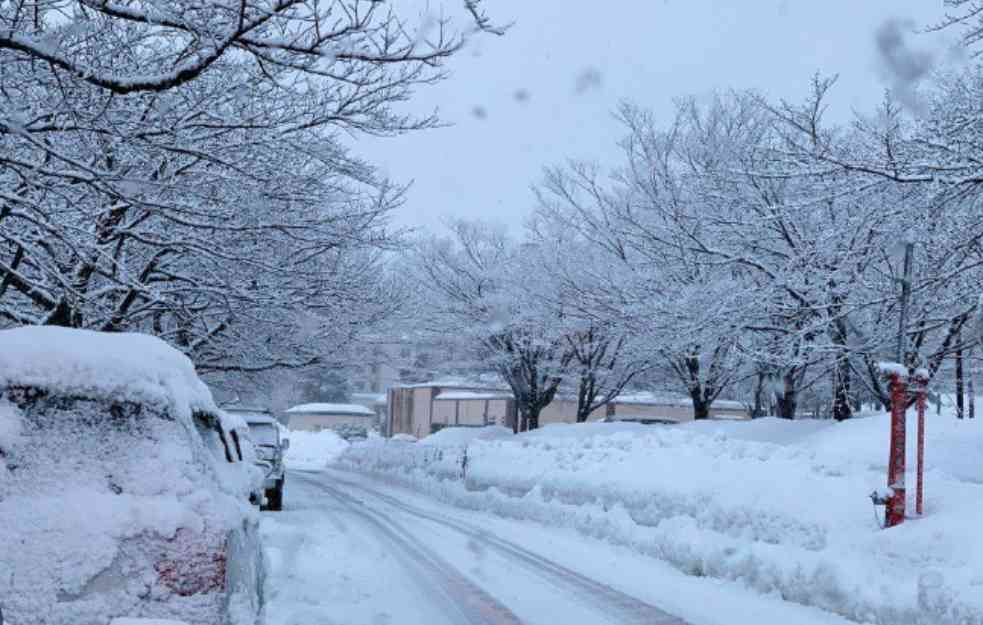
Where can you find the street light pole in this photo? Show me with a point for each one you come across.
(909, 250)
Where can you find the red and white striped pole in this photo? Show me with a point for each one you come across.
(895, 509)
(922, 380)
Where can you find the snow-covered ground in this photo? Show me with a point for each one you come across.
(779, 507)
(312, 450)
(354, 550)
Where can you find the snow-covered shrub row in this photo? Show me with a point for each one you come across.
(780, 506)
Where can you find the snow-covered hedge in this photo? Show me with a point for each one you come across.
(781, 506)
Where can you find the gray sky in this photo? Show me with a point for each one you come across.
(545, 91)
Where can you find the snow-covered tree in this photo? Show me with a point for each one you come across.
(477, 295)
(180, 168)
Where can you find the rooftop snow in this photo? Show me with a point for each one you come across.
(332, 409)
(645, 398)
(477, 395)
(459, 383)
(130, 366)
(375, 398)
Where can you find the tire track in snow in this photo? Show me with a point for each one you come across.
(473, 605)
(630, 609)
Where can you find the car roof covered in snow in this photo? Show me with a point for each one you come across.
(255, 418)
(102, 365)
(332, 409)
(249, 415)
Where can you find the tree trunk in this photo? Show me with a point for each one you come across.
(971, 386)
(841, 393)
(701, 408)
(841, 375)
(787, 400)
(586, 392)
(759, 388)
(63, 315)
(532, 419)
(959, 377)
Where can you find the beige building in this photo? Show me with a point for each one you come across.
(317, 417)
(649, 407)
(421, 409)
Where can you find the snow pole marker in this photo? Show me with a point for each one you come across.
(922, 380)
(895, 509)
(894, 505)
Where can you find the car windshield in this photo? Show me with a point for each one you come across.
(263, 433)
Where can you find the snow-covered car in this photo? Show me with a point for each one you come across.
(123, 490)
(264, 432)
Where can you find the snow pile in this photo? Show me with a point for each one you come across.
(72, 362)
(457, 436)
(312, 450)
(780, 506)
(440, 455)
(11, 425)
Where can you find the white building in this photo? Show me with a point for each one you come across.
(320, 416)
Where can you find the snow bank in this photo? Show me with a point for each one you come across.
(455, 436)
(313, 450)
(780, 506)
(11, 425)
(83, 363)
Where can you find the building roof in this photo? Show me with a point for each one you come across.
(353, 410)
(645, 398)
(374, 398)
(476, 395)
(458, 383)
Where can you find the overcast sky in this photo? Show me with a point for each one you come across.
(545, 91)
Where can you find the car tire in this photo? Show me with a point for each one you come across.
(275, 497)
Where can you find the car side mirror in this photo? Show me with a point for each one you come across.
(285, 444)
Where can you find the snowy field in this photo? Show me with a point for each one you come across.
(780, 507)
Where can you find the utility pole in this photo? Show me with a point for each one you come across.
(909, 251)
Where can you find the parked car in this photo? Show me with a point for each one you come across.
(123, 489)
(264, 431)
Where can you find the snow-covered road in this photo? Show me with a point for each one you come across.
(348, 550)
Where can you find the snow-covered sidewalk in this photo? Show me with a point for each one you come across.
(779, 507)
